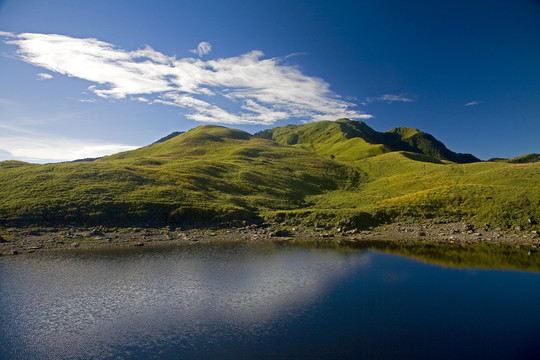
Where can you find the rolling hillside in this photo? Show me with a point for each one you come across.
(340, 173)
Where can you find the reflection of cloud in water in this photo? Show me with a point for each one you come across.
(95, 304)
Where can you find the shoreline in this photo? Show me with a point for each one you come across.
(15, 241)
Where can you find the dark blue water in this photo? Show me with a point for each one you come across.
(272, 302)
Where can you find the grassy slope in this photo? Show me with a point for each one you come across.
(404, 184)
(213, 172)
(398, 187)
(209, 171)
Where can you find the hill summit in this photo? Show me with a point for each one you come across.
(353, 140)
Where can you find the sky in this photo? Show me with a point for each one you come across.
(83, 79)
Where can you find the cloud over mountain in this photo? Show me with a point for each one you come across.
(244, 89)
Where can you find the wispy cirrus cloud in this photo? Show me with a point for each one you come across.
(472, 103)
(44, 76)
(390, 98)
(262, 90)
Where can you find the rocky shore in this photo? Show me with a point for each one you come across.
(14, 241)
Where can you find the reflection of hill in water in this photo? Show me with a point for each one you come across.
(486, 256)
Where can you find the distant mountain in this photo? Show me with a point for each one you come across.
(327, 174)
(354, 140)
(523, 159)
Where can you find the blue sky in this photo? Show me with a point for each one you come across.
(88, 78)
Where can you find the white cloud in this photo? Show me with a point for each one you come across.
(53, 149)
(472, 103)
(390, 98)
(202, 49)
(44, 76)
(261, 91)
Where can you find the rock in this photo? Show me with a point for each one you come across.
(138, 244)
(280, 233)
(468, 227)
(519, 228)
(95, 232)
(75, 244)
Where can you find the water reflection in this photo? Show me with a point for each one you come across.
(269, 301)
(101, 304)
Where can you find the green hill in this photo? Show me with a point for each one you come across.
(340, 173)
(426, 144)
(354, 140)
(209, 172)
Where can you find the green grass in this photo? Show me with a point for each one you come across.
(209, 172)
(332, 173)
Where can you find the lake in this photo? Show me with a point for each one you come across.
(269, 301)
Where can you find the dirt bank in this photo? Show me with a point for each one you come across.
(14, 241)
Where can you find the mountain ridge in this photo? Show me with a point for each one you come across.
(344, 130)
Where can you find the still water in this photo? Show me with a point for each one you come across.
(262, 301)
